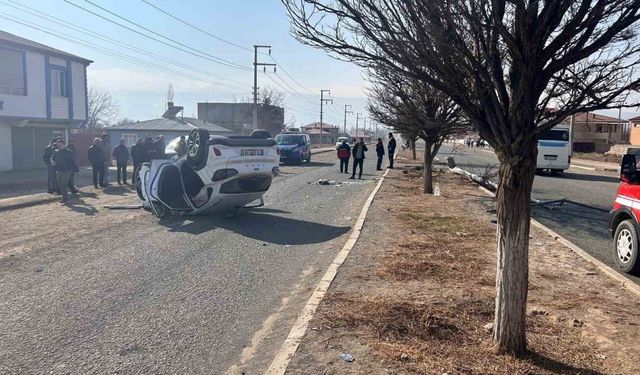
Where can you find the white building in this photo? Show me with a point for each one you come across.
(43, 93)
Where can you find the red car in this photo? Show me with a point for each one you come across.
(623, 225)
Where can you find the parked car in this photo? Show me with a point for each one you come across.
(217, 174)
(294, 147)
(623, 224)
(340, 140)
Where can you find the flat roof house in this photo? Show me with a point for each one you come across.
(595, 132)
(170, 125)
(43, 93)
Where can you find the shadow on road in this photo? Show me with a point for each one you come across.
(558, 367)
(80, 206)
(260, 226)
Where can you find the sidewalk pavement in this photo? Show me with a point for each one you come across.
(28, 188)
(595, 165)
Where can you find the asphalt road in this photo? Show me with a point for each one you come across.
(87, 290)
(586, 227)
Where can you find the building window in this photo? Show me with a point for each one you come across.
(12, 74)
(59, 83)
(602, 128)
(130, 139)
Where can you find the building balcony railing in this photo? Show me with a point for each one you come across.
(10, 90)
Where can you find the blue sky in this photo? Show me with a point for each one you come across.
(141, 90)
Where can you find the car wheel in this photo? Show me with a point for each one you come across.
(539, 170)
(557, 172)
(197, 148)
(138, 180)
(625, 247)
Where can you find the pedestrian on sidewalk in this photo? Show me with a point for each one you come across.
(391, 147)
(72, 180)
(96, 158)
(51, 171)
(107, 159)
(64, 163)
(344, 154)
(358, 158)
(121, 154)
(380, 153)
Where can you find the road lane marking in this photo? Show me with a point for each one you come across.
(291, 343)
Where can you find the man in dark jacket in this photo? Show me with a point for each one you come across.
(379, 153)
(136, 154)
(64, 162)
(121, 154)
(391, 147)
(358, 158)
(344, 154)
(51, 171)
(72, 180)
(96, 158)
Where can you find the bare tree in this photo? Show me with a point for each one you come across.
(271, 96)
(103, 109)
(416, 110)
(516, 68)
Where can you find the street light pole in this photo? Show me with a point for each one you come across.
(345, 116)
(322, 101)
(255, 80)
(357, 120)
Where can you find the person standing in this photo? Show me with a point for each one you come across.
(391, 148)
(121, 154)
(107, 159)
(358, 158)
(181, 147)
(72, 180)
(136, 154)
(51, 171)
(344, 154)
(64, 163)
(380, 153)
(96, 158)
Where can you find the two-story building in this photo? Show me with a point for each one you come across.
(43, 93)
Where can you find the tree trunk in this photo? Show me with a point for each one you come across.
(428, 169)
(413, 150)
(514, 212)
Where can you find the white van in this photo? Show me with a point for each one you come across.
(554, 150)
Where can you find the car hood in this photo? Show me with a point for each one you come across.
(287, 147)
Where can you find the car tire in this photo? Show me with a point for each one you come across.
(197, 148)
(159, 210)
(625, 247)
(557, 172)
(138, 181)
(539, 171)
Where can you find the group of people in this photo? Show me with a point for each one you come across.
(345, 152)
(62, 162)
(479, 143)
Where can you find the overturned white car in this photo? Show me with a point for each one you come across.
(216, 174)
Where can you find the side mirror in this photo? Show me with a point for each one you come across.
(628, 169)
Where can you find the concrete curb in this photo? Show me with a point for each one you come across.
(8, 204)
(299, 329)
(612, 273)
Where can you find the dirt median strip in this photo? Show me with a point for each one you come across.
(416, 295)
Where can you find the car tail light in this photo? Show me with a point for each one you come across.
(222, 174)
(217, 152)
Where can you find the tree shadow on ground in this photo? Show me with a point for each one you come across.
(557, 367)
(258, 225)
(584, 177)
(117, 190)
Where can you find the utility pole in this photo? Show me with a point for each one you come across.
(345, 116)
(322, 101)
(256, 64)
(357, 119)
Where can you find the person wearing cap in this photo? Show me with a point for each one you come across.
(64, 163)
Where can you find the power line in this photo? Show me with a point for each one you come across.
(280, 85)
(197, 53)
(294, 91)
(107, 51)
(293, 79)
(196, 27)
(127, 46)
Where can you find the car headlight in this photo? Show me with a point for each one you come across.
(222, 174)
